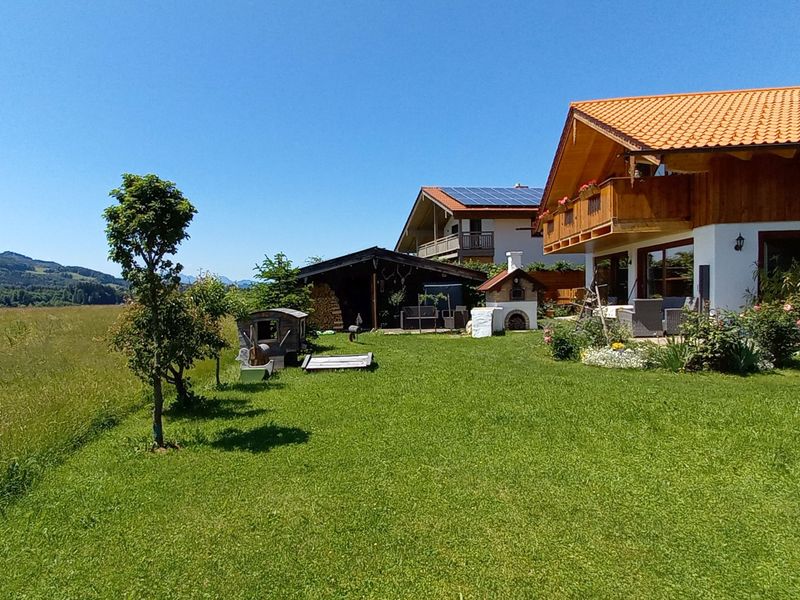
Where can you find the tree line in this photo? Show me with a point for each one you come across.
(79, 293)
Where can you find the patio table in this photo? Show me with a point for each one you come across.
(610, 311)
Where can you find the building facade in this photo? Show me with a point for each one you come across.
(475, 224)
(678, 196)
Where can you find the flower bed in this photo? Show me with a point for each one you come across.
(758, 339)
(614, 358)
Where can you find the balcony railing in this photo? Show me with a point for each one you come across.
(472, 244)
(651, 205)
(483, 240)
(438, 247)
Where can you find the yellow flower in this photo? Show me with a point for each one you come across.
(617, 346)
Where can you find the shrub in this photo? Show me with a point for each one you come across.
(675, 356)
(624, 358)
(562, 310)
(564, 341)
(780, 285)
(712, 339)
(747, 357)
(775, 327)
(560, 266)
(592, 329)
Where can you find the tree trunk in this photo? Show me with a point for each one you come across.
(217, 372)
(180, 387)
(158, 409)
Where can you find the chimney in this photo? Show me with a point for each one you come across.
(519, 186)
(514, 260)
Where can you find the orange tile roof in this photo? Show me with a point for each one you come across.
(490, 283)
(702, 120)
(445, 200)
(496, 281)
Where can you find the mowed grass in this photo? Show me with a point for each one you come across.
(59, 384)
(457, 468)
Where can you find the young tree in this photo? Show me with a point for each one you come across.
(190, 333)
(279, 286)
(211, 297)
(144, 229)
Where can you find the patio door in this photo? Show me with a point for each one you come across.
(611, 276)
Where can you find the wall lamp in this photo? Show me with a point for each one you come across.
(739, 243)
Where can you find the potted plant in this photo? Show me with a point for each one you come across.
(588, 189)
(396, 300)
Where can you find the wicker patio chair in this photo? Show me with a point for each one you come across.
(645, 318)
(673, 317)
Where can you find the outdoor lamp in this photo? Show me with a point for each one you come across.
(739, 243)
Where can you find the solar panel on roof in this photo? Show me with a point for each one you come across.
(487, 196)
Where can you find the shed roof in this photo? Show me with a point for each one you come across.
(286, 311)
(383, 254)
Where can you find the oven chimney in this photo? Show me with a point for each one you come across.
(514, 260)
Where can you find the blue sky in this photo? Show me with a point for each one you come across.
(309, 127)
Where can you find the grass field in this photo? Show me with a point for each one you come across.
(457, 468)
(59, 385)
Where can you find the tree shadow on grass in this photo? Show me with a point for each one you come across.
(216, 408)
(251, 388)
(260, 439)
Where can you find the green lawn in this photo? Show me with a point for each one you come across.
(457, 468)
(59, 385)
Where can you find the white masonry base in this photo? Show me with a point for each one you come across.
(527, 308)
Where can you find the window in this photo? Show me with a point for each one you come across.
(551, 225)
(267, 330)
(667, 270)
(594, 204)
(611, 277)
(777, 250)
(474, 225)
(454, 229)
(568, 217)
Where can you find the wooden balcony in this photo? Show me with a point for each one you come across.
(619, 213)
(459, 245)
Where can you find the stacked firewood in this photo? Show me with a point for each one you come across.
(326, 313)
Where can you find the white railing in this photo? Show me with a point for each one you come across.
(440, 246)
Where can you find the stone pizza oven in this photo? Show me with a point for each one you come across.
(515, 292)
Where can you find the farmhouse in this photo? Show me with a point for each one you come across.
(481, 224)
(683, 195)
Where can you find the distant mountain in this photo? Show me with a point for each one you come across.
(241, 283)
(18, 269)
(28, 281)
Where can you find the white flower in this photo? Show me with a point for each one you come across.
(614, 359)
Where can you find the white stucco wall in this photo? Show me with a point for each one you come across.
(508, 238)
(731, 272)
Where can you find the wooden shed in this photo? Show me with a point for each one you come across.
(361, 284)
(283, 330)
